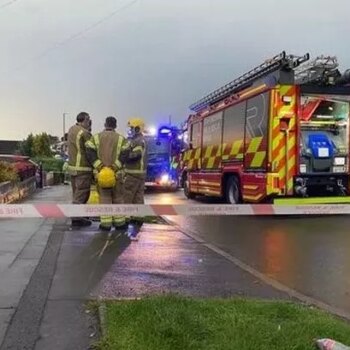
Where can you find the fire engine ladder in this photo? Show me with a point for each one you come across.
(323, 69)
(281, 61)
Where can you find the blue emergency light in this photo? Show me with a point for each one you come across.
(164, 131)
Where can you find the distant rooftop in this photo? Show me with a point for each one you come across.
(9, 146)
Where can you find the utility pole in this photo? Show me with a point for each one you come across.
(64, 125)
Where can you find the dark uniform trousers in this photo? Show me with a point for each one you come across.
(113, 196)
(134, 188)
(81, 188)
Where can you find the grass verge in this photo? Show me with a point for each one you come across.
(171, 323)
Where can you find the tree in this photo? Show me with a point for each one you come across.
(37, 145)
(41, 145)
(26, 147)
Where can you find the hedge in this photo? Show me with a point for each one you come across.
(7, 172)
(50, 164)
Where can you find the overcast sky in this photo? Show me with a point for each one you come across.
(149, 58)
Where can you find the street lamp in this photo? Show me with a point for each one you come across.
(64, 125)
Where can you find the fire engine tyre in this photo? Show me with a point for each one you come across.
(188, 194)
(233, 193)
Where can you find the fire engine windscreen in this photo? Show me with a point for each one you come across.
(157, 146)
(324, 134)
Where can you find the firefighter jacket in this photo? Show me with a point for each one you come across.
(78, 163)
(104, 149)
(134, 156)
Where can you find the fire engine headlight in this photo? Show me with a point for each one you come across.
(164, 179)
(339, 161)
(302, 168)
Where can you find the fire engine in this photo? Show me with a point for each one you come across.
(279, 133)
(163, 152)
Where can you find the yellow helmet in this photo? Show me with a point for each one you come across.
(106, 178)
(136, 123)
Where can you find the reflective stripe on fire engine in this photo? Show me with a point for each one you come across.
(212, 157)
(284, 152)
(235, 150)
(250, 187)
(254, 144)
(312, 200)
(255, 198)
(213, 154)
(209, 183)
(272, 186)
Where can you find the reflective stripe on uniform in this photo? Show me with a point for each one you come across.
(138, 148)
(135, 171)
(119, 221)
(117, 163)
(106, 221)
(143, 150)
(90, 144)
(78, 160)
(97, 144)
(140, 163)
(97, 163)
(78, 168)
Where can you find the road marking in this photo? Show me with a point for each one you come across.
(259, 275)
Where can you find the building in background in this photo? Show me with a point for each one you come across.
(9, 147)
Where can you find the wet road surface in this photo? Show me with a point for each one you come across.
(308, 254)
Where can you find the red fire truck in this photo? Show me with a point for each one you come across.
(279, 133)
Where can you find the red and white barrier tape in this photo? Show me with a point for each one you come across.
(46, 210)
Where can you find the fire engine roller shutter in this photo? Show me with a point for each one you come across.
(233, 132)
(212, 140)
(257, 116)
(192, 156)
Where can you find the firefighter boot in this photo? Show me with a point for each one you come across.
(82, 222)
(104, 228)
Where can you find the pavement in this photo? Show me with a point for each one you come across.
(48, 273)
(29, 249)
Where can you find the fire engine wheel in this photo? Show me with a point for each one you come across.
(233, 194)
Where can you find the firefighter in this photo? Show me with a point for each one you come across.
(133, 156)
(78, 166)
(103, 152)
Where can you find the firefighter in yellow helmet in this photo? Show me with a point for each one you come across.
(133, 156)
(103, 151)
